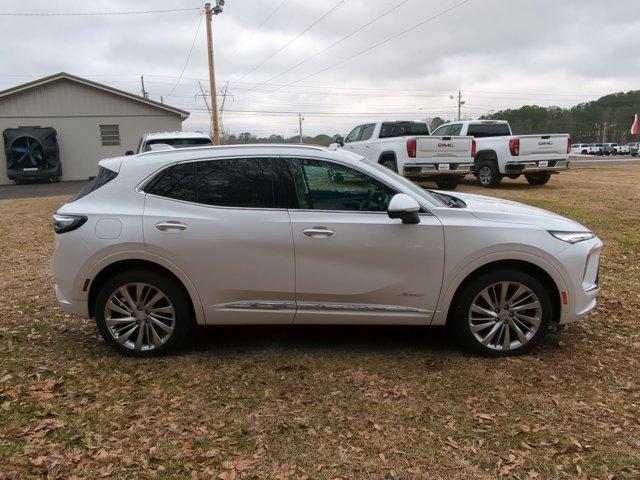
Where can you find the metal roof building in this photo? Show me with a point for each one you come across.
(92, 121)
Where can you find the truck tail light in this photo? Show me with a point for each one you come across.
(411, 147)
(569, 145)
(474, 147)
(514, 146)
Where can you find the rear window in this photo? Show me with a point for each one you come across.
(103, 177)
(242, 182)
(482, 130)
(403, 129)
(179, 142)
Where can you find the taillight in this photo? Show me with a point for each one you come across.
(66, 223)
(569, 145)
(411, 147)
(514, 147)
(474, 147)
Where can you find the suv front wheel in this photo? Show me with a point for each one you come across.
(501, 313)
(142, 313)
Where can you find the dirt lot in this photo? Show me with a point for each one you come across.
(257, 402)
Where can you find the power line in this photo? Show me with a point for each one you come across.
(388, 39)
(359, 29)
(86, 14)
(195, 37)
(248, 37)
(326, 14)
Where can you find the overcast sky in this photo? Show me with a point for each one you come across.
(500, 53)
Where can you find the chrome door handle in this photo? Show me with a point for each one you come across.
(169, 225)
(318, 232)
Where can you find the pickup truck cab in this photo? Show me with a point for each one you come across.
(168, 140)
(408, 148)
(500, 153)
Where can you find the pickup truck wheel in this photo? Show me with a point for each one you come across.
(513, 176)
(538, 178)
(487, 174)
(390, 164)
(447, 183)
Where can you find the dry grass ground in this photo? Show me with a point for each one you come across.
(297, 403)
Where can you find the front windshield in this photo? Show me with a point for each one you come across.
(421, 192)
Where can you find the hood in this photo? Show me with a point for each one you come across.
(500, 210)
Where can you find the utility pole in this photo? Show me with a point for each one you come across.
(460, 103)
(300, 119)
(212, 72)
(207, 105)
(144, 92)
(224, 99)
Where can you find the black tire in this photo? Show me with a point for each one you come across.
(538, 178)
(447, 183)
(461, 312)
(584, 152)
(390, 163)
(487, 174)
(513, 176)
(165, 284)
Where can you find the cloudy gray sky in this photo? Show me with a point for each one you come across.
(500, 53)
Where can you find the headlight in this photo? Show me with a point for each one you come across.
(66, 223)
(573, 237)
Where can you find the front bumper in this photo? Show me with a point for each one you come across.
(582, 263)
(430, 170)
(536, 166)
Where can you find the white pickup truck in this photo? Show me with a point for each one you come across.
(168, 140)
(500, 153)
(408, 148)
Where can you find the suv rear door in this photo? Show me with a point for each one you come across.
(223, 223)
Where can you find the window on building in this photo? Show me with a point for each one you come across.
(110, 135)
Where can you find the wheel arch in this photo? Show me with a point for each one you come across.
(387, 154)
(546, 273)
(114, 265)
(486, 155)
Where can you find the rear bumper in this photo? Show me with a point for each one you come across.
(427, 170)
(534, 166)
(74, 307)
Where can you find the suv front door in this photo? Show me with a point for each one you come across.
(353, 263)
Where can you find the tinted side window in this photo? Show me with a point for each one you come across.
(455, 129)
(327, 186)
(442, 131)
(403, 129)
(178, 182)
(244, 182)
(483, 130)
(367, 131)
(354, 136)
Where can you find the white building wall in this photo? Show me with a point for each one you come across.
(76, 111)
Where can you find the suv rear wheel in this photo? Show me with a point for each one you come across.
(142, 313)
(501, 313)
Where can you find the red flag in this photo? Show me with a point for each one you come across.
(636, 125)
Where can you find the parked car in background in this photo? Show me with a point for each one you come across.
(633, 148)
(162, 241)
(622, 150)
(610, 148)
(165, 140)
(408, 148)
(598, 149)
(500, 153)
(581, 149)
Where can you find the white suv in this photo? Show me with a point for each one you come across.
(277, 234)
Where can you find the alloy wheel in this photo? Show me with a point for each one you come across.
(139, 316)
(505, 316)
(485, 175)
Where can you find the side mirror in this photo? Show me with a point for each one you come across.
(404, 207)
(340, 141)
(129, 152)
